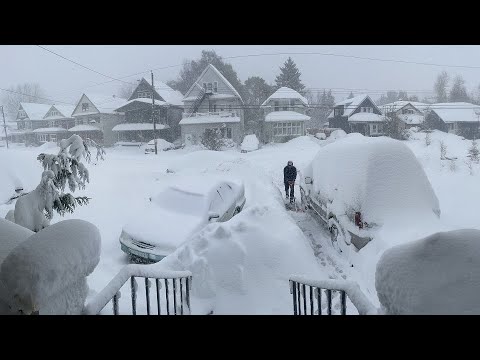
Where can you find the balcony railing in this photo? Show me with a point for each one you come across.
(174, 300)
(214, 113)
(307, 296)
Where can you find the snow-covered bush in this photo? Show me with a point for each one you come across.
(439, 274)
(212, 139)
(473, 152)
(453, 165)
(443, 150)
(35, 209)
(320, 136)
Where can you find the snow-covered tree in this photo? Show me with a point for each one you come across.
(290, 77)
(212, 139)
(440, 87)
(458, 91)
(473, 152)
(35, 209)
(27, 92)
(443, 150)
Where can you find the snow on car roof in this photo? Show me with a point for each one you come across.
(376, 176)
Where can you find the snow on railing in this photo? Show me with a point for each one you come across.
(112, 291)
(298, 288)
(215, 113)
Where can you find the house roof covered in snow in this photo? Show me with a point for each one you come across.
(275, 116)
(457, 112)
(412, 119)
(365, 117)
(397, 105)
(171, 97)
(84, 128)
(138, 127)
(350, 105)
(65, 110)
(140, 100)
(106, 104)
(35, 111)
(219, 74)
(209, 119)
(212, 97)
(286, 93)
(50, 130)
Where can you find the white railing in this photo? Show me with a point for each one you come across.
(214, 113)
(302, 303)
(178, 296)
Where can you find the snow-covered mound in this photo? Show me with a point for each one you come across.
(250, 143)
(380, 177)
(47, 271)
(162, 144)
(242, 266)
(439, 274)
(321, 136)
(337, 134)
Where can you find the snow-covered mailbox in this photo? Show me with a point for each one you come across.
(46, 272)
(439, 274)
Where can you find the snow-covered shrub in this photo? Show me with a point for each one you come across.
(473, 152)
(35, 209)
(212, 139)
(443, 150)
(469, 164)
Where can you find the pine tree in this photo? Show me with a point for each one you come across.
(290, 77)
(458, 91)
(473, 152)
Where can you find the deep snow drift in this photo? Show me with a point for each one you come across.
(439, 274)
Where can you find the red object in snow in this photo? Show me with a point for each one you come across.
(358, 220)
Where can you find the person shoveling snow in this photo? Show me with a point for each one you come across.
(289, 176)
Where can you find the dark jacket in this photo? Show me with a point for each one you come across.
(289, 173)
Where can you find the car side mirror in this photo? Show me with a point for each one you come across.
(212, 215)
(308, 180)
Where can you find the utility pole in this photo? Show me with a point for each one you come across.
(5, 126)
(153, 115)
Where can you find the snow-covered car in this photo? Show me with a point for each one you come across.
(249, 143)
(162, 145)
(178, 212)
(357, 185)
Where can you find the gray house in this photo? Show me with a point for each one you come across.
(458, 118)
(358, 114)
(98, 112)
(410, 112)
(30, 121)
(212, 103)
(284, 115)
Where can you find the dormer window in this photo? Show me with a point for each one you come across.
(210, 87)
(144, 94)
(407, 111)
(366, 109)
(85, 107)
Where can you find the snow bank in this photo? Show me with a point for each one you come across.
(439, 274)
(250, 143)
(162, 144)
(243, 266)
(321, 136)
(378, 176)
(47, 272)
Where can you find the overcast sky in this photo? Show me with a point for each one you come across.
(65, 81)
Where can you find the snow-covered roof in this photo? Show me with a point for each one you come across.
(286, 93)
(138, 127)
(84, 128)
(397, 105)
(350, 105)
(212, 97)
(210, 66)
(457, 112)
(65, 110)
(412, 119)
(106, 104)
(285, 116)
(209, 119)
(171, 97)
(50, 130)
(35, 111)
(365, 117)
(141, 100)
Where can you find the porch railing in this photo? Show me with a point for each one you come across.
(214, 113)
(174, 300)
(307, 295)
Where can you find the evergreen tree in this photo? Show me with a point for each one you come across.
(473, 152)
(256, 92)
(290, 77)
(212, 139)
(458, 91)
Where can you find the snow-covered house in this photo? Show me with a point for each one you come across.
(412, 113)
(99, 112)
(138, 125)
(56, 123)
(31, 117)
(358, 114)
(460, 118)
(284, 115)
(212, 103)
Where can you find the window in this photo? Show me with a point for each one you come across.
(22, 114)
(214, 107)
(43, 137)
(407, 111)
(205, 86)
(84, 107)
(53, 137)
(366, 109)
(277, 104)
(215, 87)
(376, 129)
(51, 124)
(292, 104)
(229, 107)
(229, 133)
(209, 87)
(338, 111)
(287, 129)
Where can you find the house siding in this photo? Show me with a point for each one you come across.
(197, 130)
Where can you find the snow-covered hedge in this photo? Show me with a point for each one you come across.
(250, 143)
(47, 272)
(439, 274)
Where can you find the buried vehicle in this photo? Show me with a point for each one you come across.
(357, 185)
(175, 214)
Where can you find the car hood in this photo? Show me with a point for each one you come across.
(163, 229)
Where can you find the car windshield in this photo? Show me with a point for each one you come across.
(180, 201)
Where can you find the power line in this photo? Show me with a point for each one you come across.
(83, 66)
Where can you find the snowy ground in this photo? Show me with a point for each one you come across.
(122, 183)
